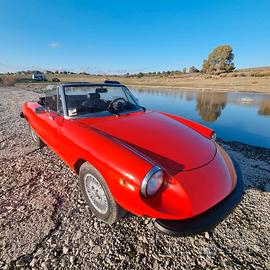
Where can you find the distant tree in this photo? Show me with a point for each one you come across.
(140, 75)
(220, 60)
(84, 73)
(206, 67)
(184, 70)
(193, 70)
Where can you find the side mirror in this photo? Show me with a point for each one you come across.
(40, 110)
(41, 101)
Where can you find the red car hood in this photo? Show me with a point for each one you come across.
(165, 141)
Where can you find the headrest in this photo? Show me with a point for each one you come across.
(101, 90)
(94, 96)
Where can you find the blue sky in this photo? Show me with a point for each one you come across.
(130, 36)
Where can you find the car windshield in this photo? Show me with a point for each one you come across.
(98, 100)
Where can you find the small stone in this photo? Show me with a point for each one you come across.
(72, 259)
(21, 208)
(143, 239)
(203, 264)
(65, 250)
(3, 145)
(80, 202)
(132, 253)
(155, 265)
(144, 260)
(44, 266)
(140, 250)
(39, 252)
(77, 236)
(267, 265)
(256, 248)
(33, 262)
(96, 250)
(146, 221)
(121, 257)
(207, 236)
(91, 242)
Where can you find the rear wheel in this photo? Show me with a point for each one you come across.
(36, 140)
(98, 195)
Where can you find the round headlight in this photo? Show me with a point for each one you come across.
(213, 136)
(152, 182)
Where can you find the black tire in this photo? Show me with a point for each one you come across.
(36, 140)
(112, 212)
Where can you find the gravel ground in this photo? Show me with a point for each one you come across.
(45, 223)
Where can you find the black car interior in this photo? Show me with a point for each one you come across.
(92, 102)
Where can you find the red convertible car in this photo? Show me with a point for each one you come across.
(149, 163)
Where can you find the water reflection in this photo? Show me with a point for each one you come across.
(210, 105)
(190, 96)
(164, 92)
(264, 108)
(238, 116)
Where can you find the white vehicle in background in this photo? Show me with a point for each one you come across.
(39, 77)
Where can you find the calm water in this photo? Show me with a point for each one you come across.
(243, 117)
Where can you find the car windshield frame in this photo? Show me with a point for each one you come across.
(102, 113)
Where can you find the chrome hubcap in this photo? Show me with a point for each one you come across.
(95, 193)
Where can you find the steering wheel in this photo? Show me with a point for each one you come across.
(113, 102)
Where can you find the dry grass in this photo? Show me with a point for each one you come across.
(237, 83)
(257, 80)
(8, 80)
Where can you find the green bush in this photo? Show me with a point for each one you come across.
(140, 75)
(220, 60)
(193, 70)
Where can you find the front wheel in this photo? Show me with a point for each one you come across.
(36, 140)
(98, 195)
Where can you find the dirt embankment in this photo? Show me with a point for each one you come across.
(45, 223)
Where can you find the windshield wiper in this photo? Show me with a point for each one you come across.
(117, 114)
(144, 109)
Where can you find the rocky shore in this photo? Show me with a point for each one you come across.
(45, 223)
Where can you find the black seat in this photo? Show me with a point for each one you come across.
(92, 100)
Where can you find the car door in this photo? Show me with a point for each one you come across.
(52, 119)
